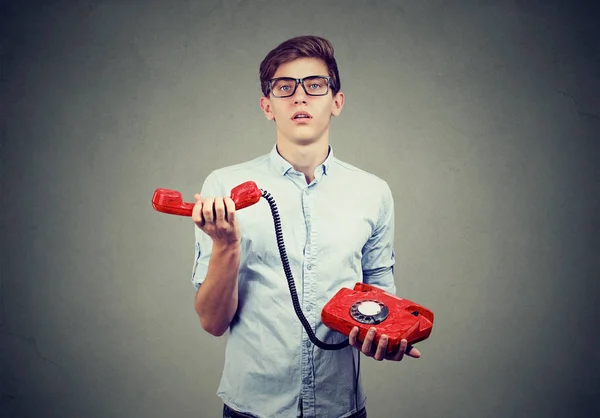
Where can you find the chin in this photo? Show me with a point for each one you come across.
(303, 135)
(304, 140)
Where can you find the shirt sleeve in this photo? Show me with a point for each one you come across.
(202, 242)
(378, 258)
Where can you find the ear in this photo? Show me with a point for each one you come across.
(265, 105)
(338, 104)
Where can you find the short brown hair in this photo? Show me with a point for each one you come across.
(299, 47)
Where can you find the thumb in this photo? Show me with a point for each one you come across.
(197, 197)
(412, 352)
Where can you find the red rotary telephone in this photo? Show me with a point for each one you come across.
(365, 306)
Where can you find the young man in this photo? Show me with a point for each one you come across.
(338, 228)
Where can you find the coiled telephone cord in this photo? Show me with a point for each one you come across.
(292, 286)
(290, 279)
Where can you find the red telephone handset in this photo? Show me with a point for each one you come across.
(171, 201)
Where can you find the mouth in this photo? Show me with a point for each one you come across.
(301, 117)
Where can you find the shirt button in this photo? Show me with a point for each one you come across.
(306, 191)
(307, 309)
(310, 266)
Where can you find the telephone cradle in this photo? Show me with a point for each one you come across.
(365, 306)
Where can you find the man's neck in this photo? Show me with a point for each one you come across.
(304, 158)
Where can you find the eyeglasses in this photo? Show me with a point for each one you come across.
(314, 85)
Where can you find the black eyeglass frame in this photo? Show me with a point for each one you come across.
(300, 81)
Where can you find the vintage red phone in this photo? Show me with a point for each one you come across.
(368, 306)
(364, 306)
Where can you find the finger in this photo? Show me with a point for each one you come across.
(381, 348)
(197, 212)
(368, 342)
(207, 210)
(197, 196)
(219, 210)
(412, 352)
(401, 350)
(353, 338)
(229, 209)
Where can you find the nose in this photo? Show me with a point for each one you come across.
(300, 94)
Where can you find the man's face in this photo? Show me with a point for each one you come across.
(302, 119)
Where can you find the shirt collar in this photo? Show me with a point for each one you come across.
(283, 166)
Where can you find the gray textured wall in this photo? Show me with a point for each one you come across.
(483, 116)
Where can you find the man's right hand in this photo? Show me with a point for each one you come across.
(216, 217)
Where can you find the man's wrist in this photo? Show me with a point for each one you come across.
(226, 246)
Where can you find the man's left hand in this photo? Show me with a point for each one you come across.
(379, 352)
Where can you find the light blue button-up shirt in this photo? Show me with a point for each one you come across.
(338, 230)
